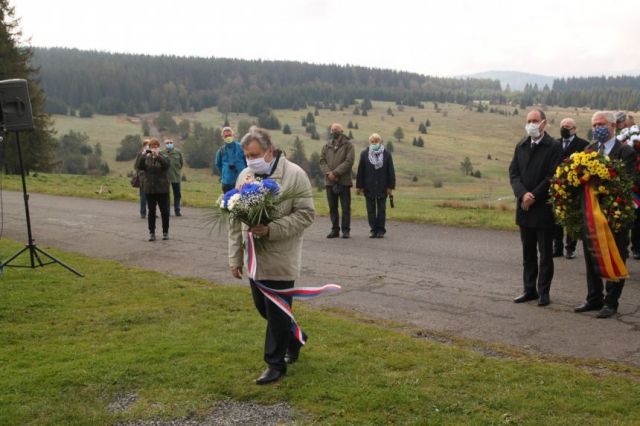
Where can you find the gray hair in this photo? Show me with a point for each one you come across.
(610, 116)
(259, 135)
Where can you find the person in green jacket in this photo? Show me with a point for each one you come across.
(176, 161)
(336, 162)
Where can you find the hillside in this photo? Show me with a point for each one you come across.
(515, 79)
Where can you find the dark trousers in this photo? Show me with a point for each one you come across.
(635, 232)
(594, 282)
(536, 240)
(227, 188)
(279, 336)
(162, 201)
(345, 201)
(177, 196)
(376, 213)
(143, 203)
(558, 234)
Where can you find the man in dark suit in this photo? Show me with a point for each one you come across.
(570, 143)
(603, 125)
(534, 163)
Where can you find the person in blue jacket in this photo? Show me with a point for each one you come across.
(230, 160)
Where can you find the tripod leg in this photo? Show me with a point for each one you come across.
(18, 253)
(58, 261)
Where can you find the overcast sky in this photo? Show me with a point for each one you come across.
(444, 37)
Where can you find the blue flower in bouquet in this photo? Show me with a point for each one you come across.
(249, 189)
(226, 197)
(271, 186)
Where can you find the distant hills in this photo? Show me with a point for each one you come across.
(515, 79)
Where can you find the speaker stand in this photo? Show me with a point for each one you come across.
(34, 251)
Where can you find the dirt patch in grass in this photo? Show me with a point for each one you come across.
(228, 413)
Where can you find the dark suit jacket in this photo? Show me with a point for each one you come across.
(576, 145)
(531, 170)
(621, 151)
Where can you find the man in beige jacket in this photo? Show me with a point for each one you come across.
(336, 162)
(279, 264)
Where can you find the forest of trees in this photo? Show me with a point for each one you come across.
(38, 146)
(112, 83)
(127, 83)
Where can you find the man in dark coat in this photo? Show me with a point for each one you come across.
(570, 143)
(376, 178)
(534, 162)
(603, 124)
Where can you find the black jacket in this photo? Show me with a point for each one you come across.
(375, 182)
(577, 145)
(531, 170)
(621, 151)
(155, 179)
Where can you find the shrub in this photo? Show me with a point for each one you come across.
(437, 183)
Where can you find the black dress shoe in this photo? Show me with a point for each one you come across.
(544, 300)
(270, 375)
(373, 234)
(525, 297)
(333, 234)
(606, 312)
(380, 235)
(345, 234)
(586, 307)
(570, 254)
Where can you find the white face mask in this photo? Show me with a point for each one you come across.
(259, 166)
(533, 129)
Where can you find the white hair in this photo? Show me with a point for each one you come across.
(610, 116)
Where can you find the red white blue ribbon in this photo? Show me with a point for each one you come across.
(277, 296)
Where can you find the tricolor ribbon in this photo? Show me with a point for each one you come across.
(601, 245)
(278, 296)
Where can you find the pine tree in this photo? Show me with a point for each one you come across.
(350, 135)
(398, 134)
(286, 130)
(389, 146)
(146, 129)
(350, 125)
(310, 118)
(38, 146)
(466, 166)
(422, 128)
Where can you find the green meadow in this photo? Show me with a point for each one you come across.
(488, 140)
(72, 347)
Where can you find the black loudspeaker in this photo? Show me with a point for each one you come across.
(15, 105)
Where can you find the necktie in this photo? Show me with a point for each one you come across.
(601, 148)
(565, 144)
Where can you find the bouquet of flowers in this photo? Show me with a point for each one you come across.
(257, 202)
(254, 203)
(591, 197)
(603, 176)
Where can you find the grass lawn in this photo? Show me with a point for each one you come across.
(487, 139)
(70, 346)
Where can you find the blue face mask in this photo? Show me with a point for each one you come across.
(375, 146)
(169, 146)
(601, 134)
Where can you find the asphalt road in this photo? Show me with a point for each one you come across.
(452, 280)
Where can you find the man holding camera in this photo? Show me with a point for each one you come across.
(230, 160)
